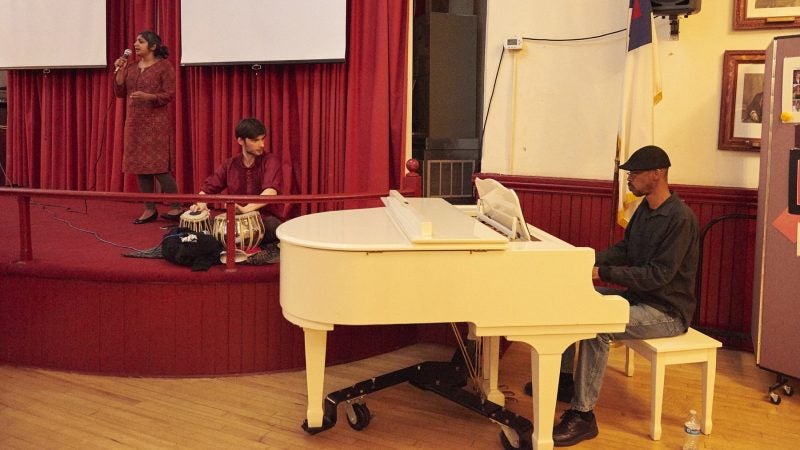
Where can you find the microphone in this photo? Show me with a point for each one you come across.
(125, 55)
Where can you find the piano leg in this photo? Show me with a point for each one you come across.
(491, 363)
(315, 342)
(546, 353)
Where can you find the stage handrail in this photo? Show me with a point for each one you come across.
(412, 188)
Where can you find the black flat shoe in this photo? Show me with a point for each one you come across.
(172, 217)
(147, 219)
(574, 428)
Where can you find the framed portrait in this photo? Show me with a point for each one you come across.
(763, 14)
(740, 111)
(790, 91)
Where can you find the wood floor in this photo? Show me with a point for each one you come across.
(41, 409)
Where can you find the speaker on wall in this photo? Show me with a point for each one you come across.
(675, 7)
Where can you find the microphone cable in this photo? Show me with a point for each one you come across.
(46, 207)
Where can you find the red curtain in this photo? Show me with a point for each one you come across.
(338, 127)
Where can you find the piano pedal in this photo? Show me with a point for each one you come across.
(510, 396)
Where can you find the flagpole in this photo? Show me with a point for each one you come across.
(614, 198)
(640, 92)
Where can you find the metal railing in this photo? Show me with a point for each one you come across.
(24, 195)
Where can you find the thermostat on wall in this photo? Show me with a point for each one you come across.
(513, 43)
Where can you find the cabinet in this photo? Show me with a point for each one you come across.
(776, 314)
(444, 120)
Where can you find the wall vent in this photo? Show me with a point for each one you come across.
(448, 178)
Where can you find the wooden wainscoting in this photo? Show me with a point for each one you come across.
(581, 212)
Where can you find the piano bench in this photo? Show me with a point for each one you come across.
(690, 347)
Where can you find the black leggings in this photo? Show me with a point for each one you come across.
(165, 180)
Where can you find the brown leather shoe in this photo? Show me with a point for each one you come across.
(573, 429)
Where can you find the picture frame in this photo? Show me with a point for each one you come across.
(741, 100)
(790, 91)
(766, 14)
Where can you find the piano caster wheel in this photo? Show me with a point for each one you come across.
(358, 416)
(518, 443)
(774, 398)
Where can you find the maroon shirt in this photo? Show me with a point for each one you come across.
(240, 180)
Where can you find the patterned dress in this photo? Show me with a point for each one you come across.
(149, 140)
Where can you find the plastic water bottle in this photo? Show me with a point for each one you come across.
(691, 430)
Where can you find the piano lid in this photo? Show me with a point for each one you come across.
(405, 224)
(435, 221)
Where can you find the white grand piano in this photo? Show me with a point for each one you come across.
(481, 265)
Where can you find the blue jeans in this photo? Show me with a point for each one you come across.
(645, 322)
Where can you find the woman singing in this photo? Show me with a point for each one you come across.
(149, 86)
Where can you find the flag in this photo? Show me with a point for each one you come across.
(640, 93)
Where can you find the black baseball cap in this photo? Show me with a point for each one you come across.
(648, 157)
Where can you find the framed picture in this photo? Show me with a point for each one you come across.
(763, 14)
(740, 111)
(790, 90)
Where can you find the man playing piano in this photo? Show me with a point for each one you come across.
(656, 261)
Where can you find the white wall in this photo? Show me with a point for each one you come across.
(561, 112)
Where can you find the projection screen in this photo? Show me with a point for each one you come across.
(52, 33)
(262, 31)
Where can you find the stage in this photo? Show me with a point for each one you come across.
(80, 305)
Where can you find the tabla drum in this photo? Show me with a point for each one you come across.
(248, 230)
(197, 221)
